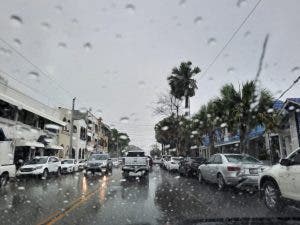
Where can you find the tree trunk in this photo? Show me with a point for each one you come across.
(187, 112)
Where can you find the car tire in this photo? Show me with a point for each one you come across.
(272, 196)
(200, 177)
(58, 173)
(3, 179)
(221, 182)
(45, 174)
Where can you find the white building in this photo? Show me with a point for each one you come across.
(31, 126)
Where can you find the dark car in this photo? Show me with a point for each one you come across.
(189, 166)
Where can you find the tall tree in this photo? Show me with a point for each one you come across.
(243, 108)
(182, 82)
(166, 105)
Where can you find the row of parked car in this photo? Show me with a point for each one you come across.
(278, 185)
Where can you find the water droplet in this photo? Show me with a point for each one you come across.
(28, 201)
(270, 110)
(194, 147)
(66, 201)
(122, 180)
(223, 125)
(58, 8)
(291, 108)
(210, 78)
(62, 45)
(46, 25)
(241, 3)
(130, 8)
(5, 51)
(16, 20)
(297, 110)
(167, 146)
(124, 119)
(21, 188)
(118, 36)
(87, 46)
(247, 33)
(33, 75)
(17, 42)
(231, 70)
(211, 41)
(123, 137)
(141, 83)
(208, 115)
(198, 20)
(74, 21)
(182, 2)
(99, 111)
(295, 69)
(194, 132)
(177, 177)
(178, 24)
(164, 128)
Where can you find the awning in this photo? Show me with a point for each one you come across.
(29, 143)
(56, 147)
(30, 109)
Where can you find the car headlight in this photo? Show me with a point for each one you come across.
(38, 167)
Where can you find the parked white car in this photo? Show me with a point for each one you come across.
(280, 185)
(41, 166)
(81, 164)
(69, 166)
(164, 160)
(7, 166)
(231, 170)
(115, 162)
(173, 164)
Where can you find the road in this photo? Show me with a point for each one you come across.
(163, 198)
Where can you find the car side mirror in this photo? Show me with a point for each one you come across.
(285, 162)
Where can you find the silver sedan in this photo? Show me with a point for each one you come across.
(232, 170)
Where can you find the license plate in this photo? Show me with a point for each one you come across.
(253, 171)
(135, 174)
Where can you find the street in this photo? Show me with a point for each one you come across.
(163, 199)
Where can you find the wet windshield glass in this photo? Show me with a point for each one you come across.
(37, 161)
(152, 112)
(241, 159)
(98, 157)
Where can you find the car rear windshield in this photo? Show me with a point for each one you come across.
(241, 159)
(99, 157)
(37, 161)
(135, 154)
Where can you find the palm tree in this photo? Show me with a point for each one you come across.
(242, 108)
(182, 83)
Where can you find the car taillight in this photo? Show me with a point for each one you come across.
(233, 168)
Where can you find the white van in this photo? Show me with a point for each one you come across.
(7, 166)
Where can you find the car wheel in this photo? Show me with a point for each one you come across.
(200, 177)
(3, 179)
(272, 196)
(45, 174)
(58, 172)
(221, 182)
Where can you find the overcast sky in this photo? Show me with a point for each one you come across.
(115, 55)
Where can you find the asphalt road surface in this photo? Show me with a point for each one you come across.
(162, 198)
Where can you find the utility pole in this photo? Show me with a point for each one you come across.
(71, 131)
(118, 146)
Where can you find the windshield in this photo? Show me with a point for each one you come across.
(136, 154)
(98, 157)
(67, 162)
(37, 161)
(209, 89)
(241, 159)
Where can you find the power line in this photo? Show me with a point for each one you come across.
(289, 88)
(28, 86)
(230, 39)
(36, 67)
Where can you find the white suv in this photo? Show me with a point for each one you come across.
(41, 166)
(280, 184)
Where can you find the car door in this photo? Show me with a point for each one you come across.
(294, 176)
(205, 168)
(50, 164)
(216, 167)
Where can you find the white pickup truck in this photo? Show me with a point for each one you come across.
(7, 166)
(135, 164)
